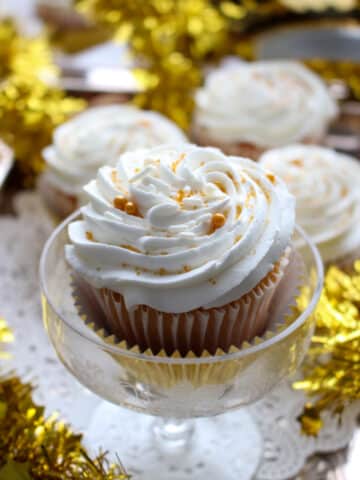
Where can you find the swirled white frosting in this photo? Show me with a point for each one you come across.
(97, 137)
(269, 104)
(169, 257)
(326, 186)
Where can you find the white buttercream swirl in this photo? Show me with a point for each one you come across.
(97, 137)
(326, 187)
(269, 104)
(169, 257)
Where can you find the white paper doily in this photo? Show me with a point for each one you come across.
(285, 451)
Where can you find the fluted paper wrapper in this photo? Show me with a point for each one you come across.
(240, 149)
(195, 331)
(167, 375)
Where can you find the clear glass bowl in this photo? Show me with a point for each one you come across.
(174, 388)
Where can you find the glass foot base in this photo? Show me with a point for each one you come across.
(226, 447)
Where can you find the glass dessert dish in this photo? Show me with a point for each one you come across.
(178, 389)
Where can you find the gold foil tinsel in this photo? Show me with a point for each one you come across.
(6, 336)
(29, 108)
(332, 366)
(34, 447)
(172, 40)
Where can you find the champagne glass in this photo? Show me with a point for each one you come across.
(177, 390)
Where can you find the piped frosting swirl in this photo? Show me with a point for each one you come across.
(326, 187)
(97, 137)
(178, 228)
(269, 104)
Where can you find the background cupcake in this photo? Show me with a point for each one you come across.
(94, 138)
(246, 108)
(183, 248)
(326, 187)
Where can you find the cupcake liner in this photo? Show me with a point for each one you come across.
(241, 149)
(59, 203)
(196, 331)
(157, 374)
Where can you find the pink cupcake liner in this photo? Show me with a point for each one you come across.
(196, 331)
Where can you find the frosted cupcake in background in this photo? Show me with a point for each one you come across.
(183, 248)
(247, 108)
(94, 138)
(326, 185)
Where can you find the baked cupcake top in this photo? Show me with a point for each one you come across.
(326, 187)
(181, 228)
(269, 104)
(97, 137)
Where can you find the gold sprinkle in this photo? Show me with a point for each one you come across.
(217, 221)
(162, 271)
(144, 123)
(131, 248)
(238, 210)
(89, 236)
(271, 177)
(181, 195)
(114, 176)
(220, 186)
(297, 162)
(186, 268)
(177, 162)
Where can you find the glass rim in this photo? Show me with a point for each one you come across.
(185, 360)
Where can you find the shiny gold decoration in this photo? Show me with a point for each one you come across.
(343, 70)
(6, 336)
(29, 108)
(173, 38)
(332, 366)
(33, 447)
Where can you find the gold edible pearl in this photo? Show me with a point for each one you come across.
(130, 208)
(120, 202)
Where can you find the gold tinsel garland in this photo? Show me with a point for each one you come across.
(332, 365)
(33, 447)
(172, 39)
(175, 39)
(29, 108)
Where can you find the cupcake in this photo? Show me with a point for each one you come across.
(94, 138)
(326, 187)
(247, 108)
(183, 248)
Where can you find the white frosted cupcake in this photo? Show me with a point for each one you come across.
(94, 138)
(326, 185)
(247, 108)
(183, 247)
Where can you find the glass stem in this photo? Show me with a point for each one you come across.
(173, 435)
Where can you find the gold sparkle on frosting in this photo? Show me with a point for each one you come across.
(177, 162)
(131, 248)
(271, 177)
(297, 162)
(217, 221)
(89, 236)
